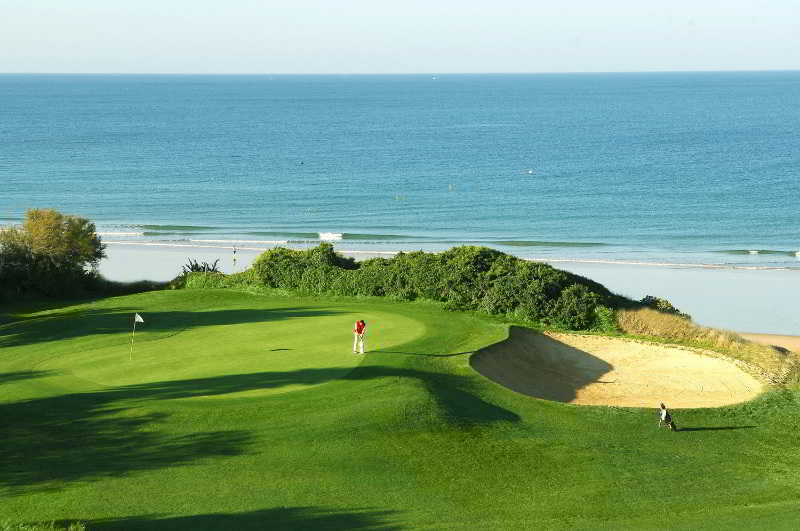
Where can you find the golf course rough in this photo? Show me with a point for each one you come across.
(198, 431)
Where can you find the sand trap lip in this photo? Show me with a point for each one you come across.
(598, 370)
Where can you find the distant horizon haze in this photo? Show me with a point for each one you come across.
(367, 37)
(432, 73)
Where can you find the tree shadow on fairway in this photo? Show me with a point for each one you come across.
(48, 442)
(717, 428)
(279, 518)
(450, 355)
(8, 377)
(456, 395)
(22, 311)
(157, 325)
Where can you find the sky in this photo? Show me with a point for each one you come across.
(397, 36)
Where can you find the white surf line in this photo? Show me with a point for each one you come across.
(543, 260)
(660, 264)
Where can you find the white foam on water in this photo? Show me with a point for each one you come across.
(658, 264)
(330, 236)
(753, 251)
(120, 233)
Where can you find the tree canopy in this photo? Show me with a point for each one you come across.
(50, 252)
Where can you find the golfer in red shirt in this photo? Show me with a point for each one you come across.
(359, 331)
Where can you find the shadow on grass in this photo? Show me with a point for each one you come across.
(21, 310)
(9, 377)
(157, 325)
(424, 354)
(86, 436)
(455, 394)
(717, 428)
(52, 441)
(281, 518)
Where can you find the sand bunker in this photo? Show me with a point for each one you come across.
(596, 370)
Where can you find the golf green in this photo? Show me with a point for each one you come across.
(235, 335)
(249, 411)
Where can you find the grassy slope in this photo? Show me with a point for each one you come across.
(410, 438)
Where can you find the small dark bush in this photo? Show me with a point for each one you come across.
(193, 266)
(662, 305)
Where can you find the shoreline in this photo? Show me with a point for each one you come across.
(202, 244)
(721, 297)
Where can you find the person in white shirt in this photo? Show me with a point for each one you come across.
(665, 419)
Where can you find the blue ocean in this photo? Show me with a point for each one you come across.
(683, 168)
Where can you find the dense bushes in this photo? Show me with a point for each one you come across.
(57, 255)
(51, 253)
(463, 278)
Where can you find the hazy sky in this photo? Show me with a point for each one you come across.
(398, 36)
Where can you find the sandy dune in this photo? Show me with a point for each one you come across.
(596, 370)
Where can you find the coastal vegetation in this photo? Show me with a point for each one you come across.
(463, 278)
(51, 253)
(56, 255)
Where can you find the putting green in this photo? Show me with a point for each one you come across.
(236, 335)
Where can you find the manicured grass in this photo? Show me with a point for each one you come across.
(250, 411)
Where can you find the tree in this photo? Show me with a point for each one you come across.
(51, 253)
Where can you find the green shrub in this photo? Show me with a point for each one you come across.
(575, 308)
(663, 306)
(193, 266)
(605, 320)
(51, 254)
(463, 278)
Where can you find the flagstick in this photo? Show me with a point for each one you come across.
(130, 357)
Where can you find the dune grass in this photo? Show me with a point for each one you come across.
(214, 425)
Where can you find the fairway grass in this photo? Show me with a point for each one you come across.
(250, 411)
